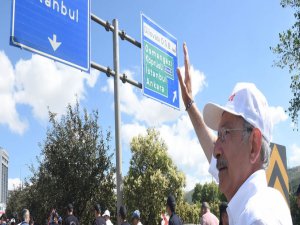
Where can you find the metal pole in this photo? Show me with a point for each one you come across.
(117, 116)
(110, 72)
(109, 27)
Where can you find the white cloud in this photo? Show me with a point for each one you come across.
(198, 79)
(8, 113)
(132, 130)
(278, 114)
(43, 83)
(13, 183)
(191, 181)
(294, 156)
(185, 150)
(39, 83)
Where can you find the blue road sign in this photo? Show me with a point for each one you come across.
(159, 63)
(58, 29)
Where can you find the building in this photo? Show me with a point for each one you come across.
(3, 176)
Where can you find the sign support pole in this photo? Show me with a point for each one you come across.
(117, 115)
(114, 28)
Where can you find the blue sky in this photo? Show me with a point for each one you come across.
(228, 41)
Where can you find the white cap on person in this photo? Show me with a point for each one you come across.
(245, 101)
(106, 213)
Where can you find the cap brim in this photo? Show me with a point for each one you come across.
(212, 114)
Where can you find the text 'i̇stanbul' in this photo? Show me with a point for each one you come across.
(62, 8)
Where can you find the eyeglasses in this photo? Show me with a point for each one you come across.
(224, 131)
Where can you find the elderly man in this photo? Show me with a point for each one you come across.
(239, 154)
(207, 217)
(25, 217)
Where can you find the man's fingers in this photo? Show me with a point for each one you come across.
(182, 86)
(186, 61)
(187, 79)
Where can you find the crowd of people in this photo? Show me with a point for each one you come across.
(206, 217)
(168, 218)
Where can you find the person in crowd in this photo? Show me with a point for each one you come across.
(239, 153)
(3, 219)
(123, 215)
(207, 218)
(170, 208)
(54, 217)
(164, 218)
(51, 216)
(136, 218)
(99, 220)
(25, 217)
(71, 219)
(106, 216)
(223, 213)
(60, 220)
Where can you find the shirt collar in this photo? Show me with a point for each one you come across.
(237, 204)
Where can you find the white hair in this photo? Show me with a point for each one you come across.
(265, 146)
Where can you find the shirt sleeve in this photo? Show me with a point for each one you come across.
(213, 168)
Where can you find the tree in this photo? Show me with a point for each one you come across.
(17, 201)
(288, 51)
(197, 194)
(74, 167)
(295, 211)
(189, 213)
(208, 192)
(152, 176)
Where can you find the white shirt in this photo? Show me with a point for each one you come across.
(255, 203)
(108, 222)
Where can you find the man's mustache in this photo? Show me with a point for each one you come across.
(221, 163)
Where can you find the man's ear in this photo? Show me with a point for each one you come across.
(256, 142)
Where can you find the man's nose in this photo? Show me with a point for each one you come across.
(217, 148)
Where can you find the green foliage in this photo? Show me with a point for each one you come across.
(188, 196)
(294, 178)
(208, 192)
(295, 211)
(197, 195)
(288, 51)
(74, 167)
(18, 200)
(189, 213)
(151, 178)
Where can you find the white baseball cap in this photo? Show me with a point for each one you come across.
(245, 101)
(106, 213)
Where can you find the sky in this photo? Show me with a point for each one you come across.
(228, 41)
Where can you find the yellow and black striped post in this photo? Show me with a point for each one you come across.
(277, 176)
